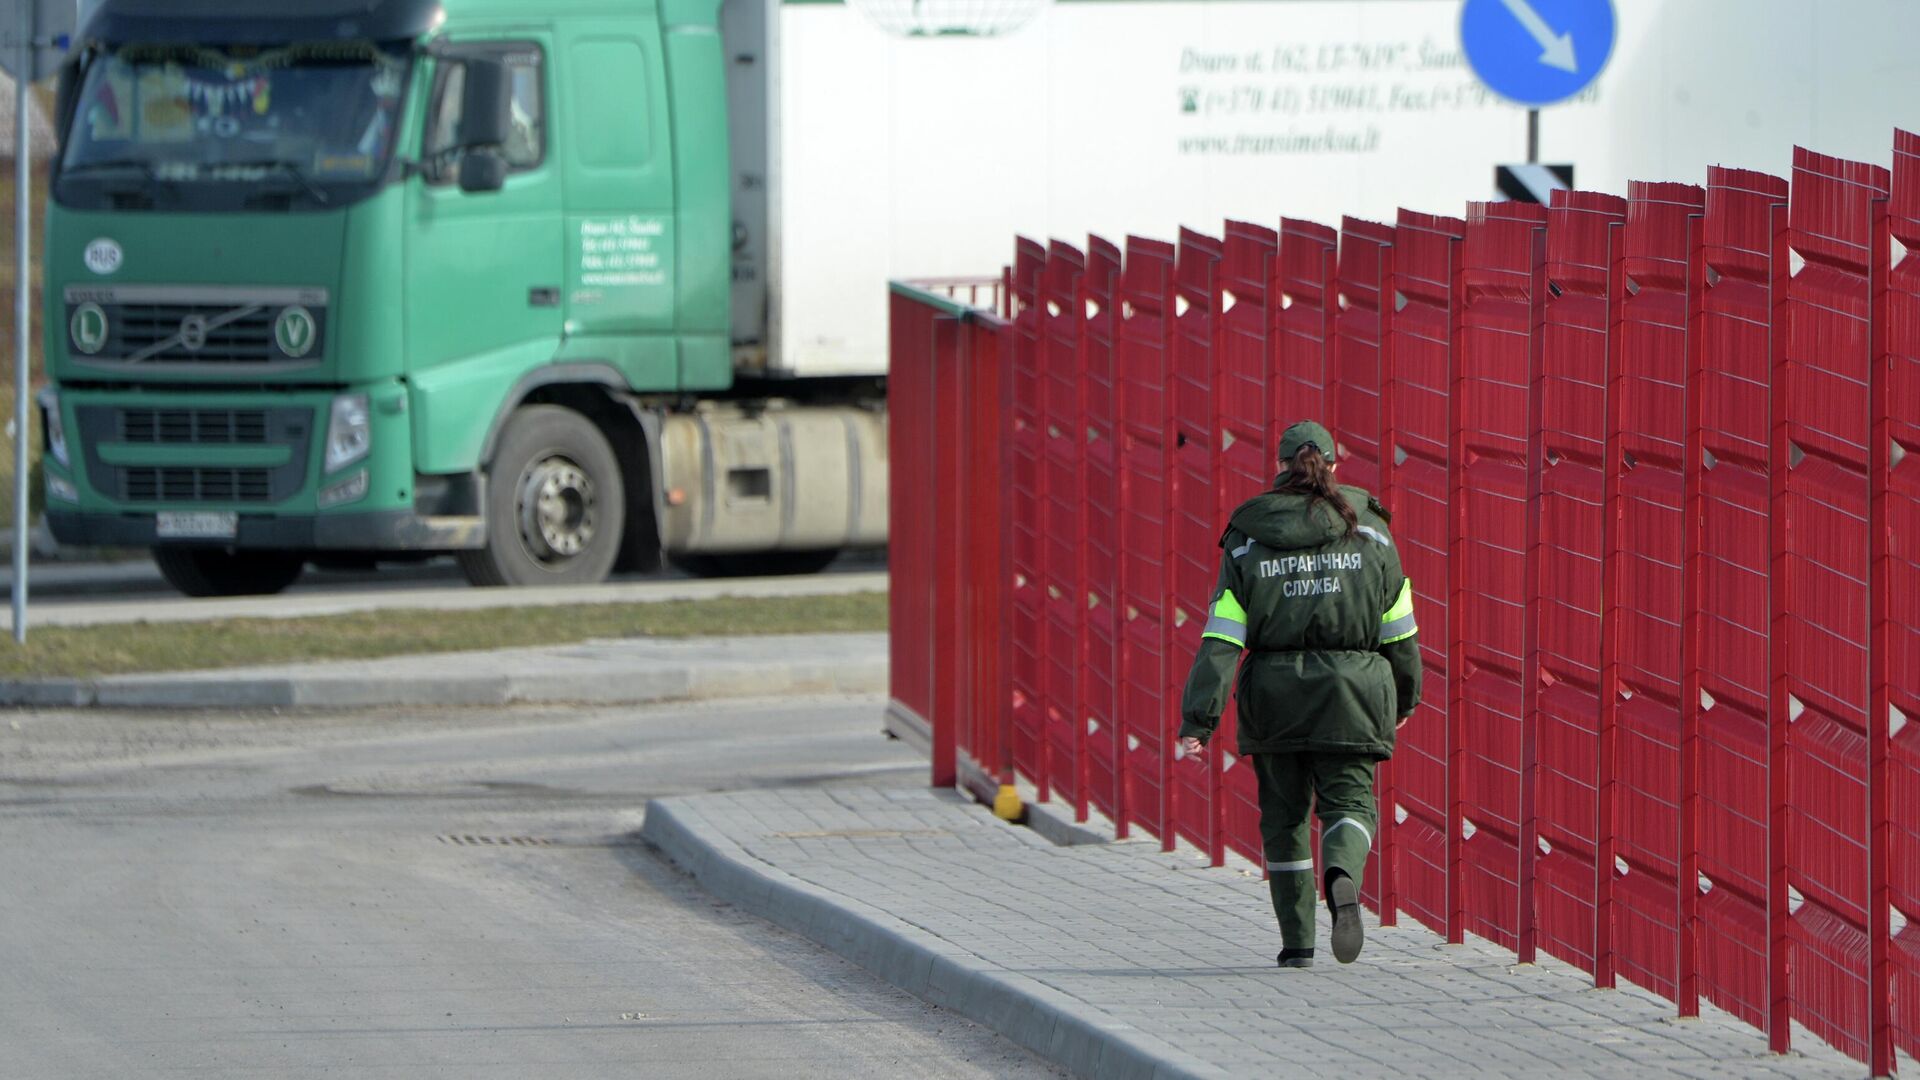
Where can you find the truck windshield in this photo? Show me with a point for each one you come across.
(202, 128)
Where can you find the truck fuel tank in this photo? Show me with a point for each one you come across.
(772, 477)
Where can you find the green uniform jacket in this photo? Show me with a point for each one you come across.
(1326, 618)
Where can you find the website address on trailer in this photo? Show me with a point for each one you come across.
(1328, 141)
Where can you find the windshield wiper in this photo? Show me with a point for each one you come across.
(115, 165)
(285, 168)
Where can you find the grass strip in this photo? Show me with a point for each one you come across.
(123, 648)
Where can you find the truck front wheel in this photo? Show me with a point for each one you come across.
(556, 506)
(217, 572)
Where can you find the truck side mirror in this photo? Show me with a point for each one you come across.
(486, 123)
(486, 103)
(66, 96)
(482, 170)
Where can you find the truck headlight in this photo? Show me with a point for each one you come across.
(349, 431)
(61, 489)
(352, 489)
(53, 426)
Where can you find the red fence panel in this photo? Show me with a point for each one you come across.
(1648, 410)
(1502, 261)
(1026, 448)
(948, 381)
(1303, 324)
(1419, 372)
(1246, 466)
(1062, 521)
(1734, 389)
(1359, 349)
(1899, 649)
(1821, 603)
(984, 743)
(1355, 402)
(1576, 320)
(1098, 661)
(1143, 351)
(1648, 465)
(1194, 557)
(912, 333)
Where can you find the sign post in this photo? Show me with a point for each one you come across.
(36, 37)
(1537, 52)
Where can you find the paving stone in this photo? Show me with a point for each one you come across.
(1101, 958)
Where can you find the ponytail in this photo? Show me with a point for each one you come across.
(1310, 474)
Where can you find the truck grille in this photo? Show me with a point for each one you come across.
(183, 481)
(232, 335)
(204, 427)
(218, 326)
(189, 484)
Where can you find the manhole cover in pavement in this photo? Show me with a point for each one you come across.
(857, 834)
(465, 840)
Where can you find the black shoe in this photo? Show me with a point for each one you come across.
(1295, 958)
(1343, 899)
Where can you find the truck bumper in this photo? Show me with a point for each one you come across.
(386, 530)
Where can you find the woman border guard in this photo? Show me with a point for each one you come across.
(1312, 590)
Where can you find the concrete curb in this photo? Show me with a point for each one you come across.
(1062, 1029)
(638, 686)
(1055, 822)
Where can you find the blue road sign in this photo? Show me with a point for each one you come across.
(1537, 52)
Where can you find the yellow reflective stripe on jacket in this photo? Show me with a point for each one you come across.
(1227, 621)
(1397, 624)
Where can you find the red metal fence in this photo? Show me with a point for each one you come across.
(1647, 461)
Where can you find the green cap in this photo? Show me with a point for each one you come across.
(1297, 438)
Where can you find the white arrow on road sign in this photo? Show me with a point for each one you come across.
(1557, 49)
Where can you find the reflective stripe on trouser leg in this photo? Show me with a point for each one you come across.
(1286, 802)
(1345, 844)
(1345, 804)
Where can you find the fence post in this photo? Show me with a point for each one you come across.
(1608, 770)
(1214, 763)
(1779, 941)
(1693, 570)
(943, 718)
(1456, 600)
(1387, 448)
(1529, 832)
(1169, 659)
(1880, 1057)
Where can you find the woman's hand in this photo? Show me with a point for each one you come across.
(1193, 747)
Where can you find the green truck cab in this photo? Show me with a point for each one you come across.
(342, 281)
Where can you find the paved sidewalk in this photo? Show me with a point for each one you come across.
(631, 671)
(1118, 960)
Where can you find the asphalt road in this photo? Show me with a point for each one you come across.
(425, 894)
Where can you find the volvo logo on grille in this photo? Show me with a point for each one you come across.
(193, 333)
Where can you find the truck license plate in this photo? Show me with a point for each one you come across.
(196, 526)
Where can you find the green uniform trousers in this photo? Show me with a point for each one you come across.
(1337, 787)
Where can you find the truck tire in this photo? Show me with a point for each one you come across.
(218, 572)
(556, 504)
(757, 563)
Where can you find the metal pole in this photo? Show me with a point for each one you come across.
(22, 316)
(1533, 136)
